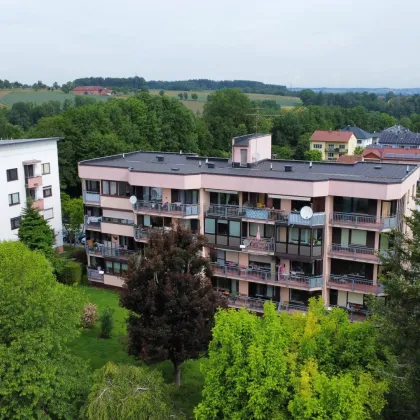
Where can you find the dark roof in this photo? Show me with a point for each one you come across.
(358, 132)
(8, 142)
(185, 164)
(244, 140)
(399, 137)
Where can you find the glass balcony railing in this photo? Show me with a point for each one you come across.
(95, 275)
(175, 209)
(351, 283)
(357, 252)
(90, 197)
(103, 251)
(364, 221)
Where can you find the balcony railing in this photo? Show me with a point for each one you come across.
(344, 282)
(175, 209)
(92, 222)
(290, 280)
(261, 245)
(90, 197)
(290, 218)
(104, 251)
(38, 204)
(364, 221)
(95, 275)
(356, 252)
(33, 181)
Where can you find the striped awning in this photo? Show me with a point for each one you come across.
(222, 191)
(289, 197)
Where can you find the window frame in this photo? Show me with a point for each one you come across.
(10, 196)
(9, 178)
(13, 224)
(42, 168)
(49, 187)
(317, 146)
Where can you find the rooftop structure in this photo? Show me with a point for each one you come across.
(363, 137)
(399, 136)
(91, 90)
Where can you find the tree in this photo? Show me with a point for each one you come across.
(38, 317)
(180, 95)
(397, 320)
(301, 148)
(314, 155)
(34, 230)
(127, 392)
(282, 152)
(73, 214)
(358, 150)
(171, 299)
(194, 96)
(185, 95)
(56, 85)
(292, 367)
(161, 92)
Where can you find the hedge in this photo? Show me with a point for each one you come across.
(72, 273)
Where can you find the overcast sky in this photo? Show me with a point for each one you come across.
(333, 43)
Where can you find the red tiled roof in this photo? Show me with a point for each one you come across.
(382, 152)
(349, 159)
(332, 136)
(88, 88)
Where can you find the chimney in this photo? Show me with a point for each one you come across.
(180, 152)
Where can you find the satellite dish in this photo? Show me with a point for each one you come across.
(246, 242)
(133, 200)
(306, 213)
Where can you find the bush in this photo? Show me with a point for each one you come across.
(71, 274)
(89, 316)
(79, 255)
(107, 322)
(85, 280)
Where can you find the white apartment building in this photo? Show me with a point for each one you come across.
(29, 168)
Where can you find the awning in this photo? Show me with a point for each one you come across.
(222, 191)
(289, 197)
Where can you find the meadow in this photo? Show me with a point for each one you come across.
(98, 351)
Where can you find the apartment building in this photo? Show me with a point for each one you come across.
(333, 144)
(279, 230)
(29, 168)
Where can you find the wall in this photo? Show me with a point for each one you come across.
(352, 144)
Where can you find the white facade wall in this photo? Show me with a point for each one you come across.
(364, 142)
(13, 156)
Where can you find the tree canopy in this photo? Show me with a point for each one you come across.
(171, 299)
(292, 367)
(38, 316)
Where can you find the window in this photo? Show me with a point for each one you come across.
(92, 186)
(47, 191)
(115, 267)
(45, 168)
(124, 189)
(359, 141)
(235, 229)
(109, 187)
(210, 226)
(48, 214)
(331, 146)
(15, 223)
(12, 174)
(317, 146)
(330, 155)
(342, 146)
(222, 227)
(14, 199)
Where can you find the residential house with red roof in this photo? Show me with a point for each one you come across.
(333, 144)
(92, 90)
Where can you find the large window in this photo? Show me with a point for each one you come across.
(45, 168)
(317, 146)
(12, 174)
(185, 196)
(109, 187)
(14, 199)
(115, 268)
(92, 186)
(47, 191)
(229, 199)
(210, 226)
(222, 227)
(15, 223)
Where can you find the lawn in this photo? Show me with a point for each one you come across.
(99, 351)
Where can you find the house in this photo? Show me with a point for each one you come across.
(29, 169)
(333, 144)
(363, 137)
(281, 230)
(92, 90)
(398, 137)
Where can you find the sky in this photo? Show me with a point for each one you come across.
(299, 43)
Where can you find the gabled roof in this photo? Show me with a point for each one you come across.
(358, 132)
(88, 88)
(392, 153)
(332, 136)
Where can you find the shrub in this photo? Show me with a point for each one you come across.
(71, 273)
(79, 254)
(89, 316)
(85, 280)
(107, 322)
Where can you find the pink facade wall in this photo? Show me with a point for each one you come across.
(117, 229)
(119, 203)
(260, 146)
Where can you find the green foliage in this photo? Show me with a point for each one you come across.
(35, 232)
(358, 150)
(282, 152)
(194, 96)
(126, 393)
(397, 320)
(292, 367)
(314, 155)
(107, 322)
(161, 92)
(71, 274)
(302, 148)
(38, 317)
(73, 214)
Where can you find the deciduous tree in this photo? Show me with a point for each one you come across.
(358, 150)
(170, 299)
(194, 96)
(73, 216)
(314, 155)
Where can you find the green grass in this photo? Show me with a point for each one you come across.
(99, 351)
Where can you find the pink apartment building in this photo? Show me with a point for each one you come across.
(279, 230)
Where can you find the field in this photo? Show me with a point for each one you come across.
(99, 351)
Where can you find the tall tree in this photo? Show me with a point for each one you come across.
(38, 316)
(314, 155)
(318, 366)
(398, 319)
(127, 392)
(171, 299)
(73, 216)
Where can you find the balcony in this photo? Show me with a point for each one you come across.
(93, 223)
(95, 275)
(356, 253)
(363, 221)
(90, 197)
(33, 181)
(38, 204)
(302, 251)
(142, 234)
(171, 209)
(354, 284)
(103, 251)
(263, 245)
(273, 278)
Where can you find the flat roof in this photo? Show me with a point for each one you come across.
(16, 141)
(244, 140)
(189, 164)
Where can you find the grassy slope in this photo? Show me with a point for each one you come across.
(98, 351)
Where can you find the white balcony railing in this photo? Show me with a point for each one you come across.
(90, 197)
